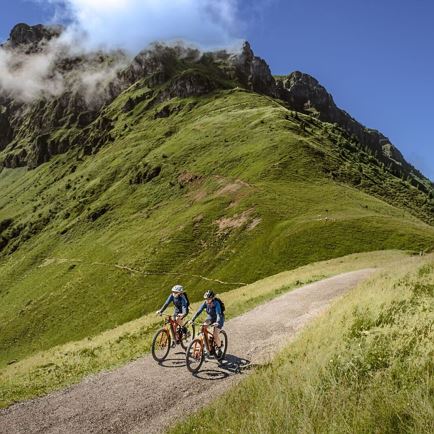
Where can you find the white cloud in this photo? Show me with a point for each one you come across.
(30, 76)
(27, 77)
(134, 24)
(131, 25)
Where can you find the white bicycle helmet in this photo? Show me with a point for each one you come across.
(178, 289)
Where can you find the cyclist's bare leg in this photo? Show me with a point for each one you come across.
(216, 335)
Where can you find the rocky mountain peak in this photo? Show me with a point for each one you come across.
(23, 34)
(247, 51)
(304, 92)
(254, 72)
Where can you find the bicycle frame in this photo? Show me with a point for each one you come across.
(206, 336)
(170, 322)
(195, 353)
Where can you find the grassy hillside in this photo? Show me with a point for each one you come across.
(231, 187)
(366, 366)
(67, 364)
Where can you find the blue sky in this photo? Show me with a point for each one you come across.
(375, 57)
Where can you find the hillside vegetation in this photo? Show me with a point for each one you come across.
(231, 186)
(365, 366)
(193, 168)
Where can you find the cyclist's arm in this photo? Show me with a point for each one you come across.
(199, 311)
(184, 306)
(169, 299)
(218, 310)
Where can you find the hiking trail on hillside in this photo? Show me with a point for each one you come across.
(55, 261)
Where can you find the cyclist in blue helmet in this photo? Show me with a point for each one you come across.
(215, 315)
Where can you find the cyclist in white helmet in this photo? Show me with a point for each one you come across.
(179, 298)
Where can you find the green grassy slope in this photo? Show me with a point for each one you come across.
(231, 186)
(366, 366)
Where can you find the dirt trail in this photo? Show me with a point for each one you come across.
(55, 261)
(143, 397)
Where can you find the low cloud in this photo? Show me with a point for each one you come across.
(133, 24)
(111, 25)
(27, 77)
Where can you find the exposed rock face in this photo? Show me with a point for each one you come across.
(191, 84)
(14, 160)
(254, 72)
(305, 94)
(6, 132)
(158, 64)
(26, 126)
(39, 152)
(23, 34)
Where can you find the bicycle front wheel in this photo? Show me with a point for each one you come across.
(194, 356)
(161, 345)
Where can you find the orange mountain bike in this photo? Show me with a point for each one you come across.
(170, 335)
(195, 354)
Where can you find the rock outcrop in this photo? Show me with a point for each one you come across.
(23, 34)
(6, 132)
(253, 72)
(304, 93)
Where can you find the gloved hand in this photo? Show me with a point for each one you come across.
(190, 321)
(159, 312)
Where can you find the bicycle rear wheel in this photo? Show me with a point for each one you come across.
(194, 356)
(161, 345)
(224, 340)
(185, 339)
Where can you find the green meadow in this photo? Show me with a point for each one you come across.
(211, 192)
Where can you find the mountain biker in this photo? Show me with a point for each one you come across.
(180, 300)
(215, 315)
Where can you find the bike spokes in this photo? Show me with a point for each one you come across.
(186, 336)
(161, 345)
(194, 355)
(221, 352)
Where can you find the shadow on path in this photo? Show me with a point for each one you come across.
(234, 364)
(211, 374)
(230, 365)
(176, 361)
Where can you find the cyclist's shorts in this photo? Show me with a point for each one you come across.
(213, 320)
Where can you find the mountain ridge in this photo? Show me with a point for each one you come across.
(299, 91)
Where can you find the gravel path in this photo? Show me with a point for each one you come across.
(143, 397)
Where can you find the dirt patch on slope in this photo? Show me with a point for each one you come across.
(237, 221)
